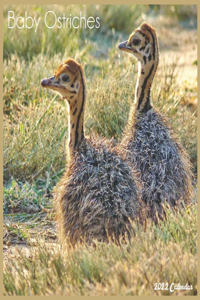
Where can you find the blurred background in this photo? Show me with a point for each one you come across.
(117, 21)
(35, 130)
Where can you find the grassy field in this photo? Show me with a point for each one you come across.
(166, 253)
(35, 133)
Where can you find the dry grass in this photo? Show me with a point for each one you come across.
(165, 253)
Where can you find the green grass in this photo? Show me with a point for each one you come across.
(35, 133)
(166, 253)
(25, 197)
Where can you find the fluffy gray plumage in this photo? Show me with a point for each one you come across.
(97, 195)
(164, 168)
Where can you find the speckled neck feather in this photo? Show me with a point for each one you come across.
(76, 119)
(146, 71)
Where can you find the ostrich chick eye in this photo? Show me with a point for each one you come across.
(65, 78)
(136, 42)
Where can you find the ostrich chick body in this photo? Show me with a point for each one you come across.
(98, 194)
(163, 165)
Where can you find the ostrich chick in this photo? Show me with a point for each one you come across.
(152, 147)
(98, 194)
